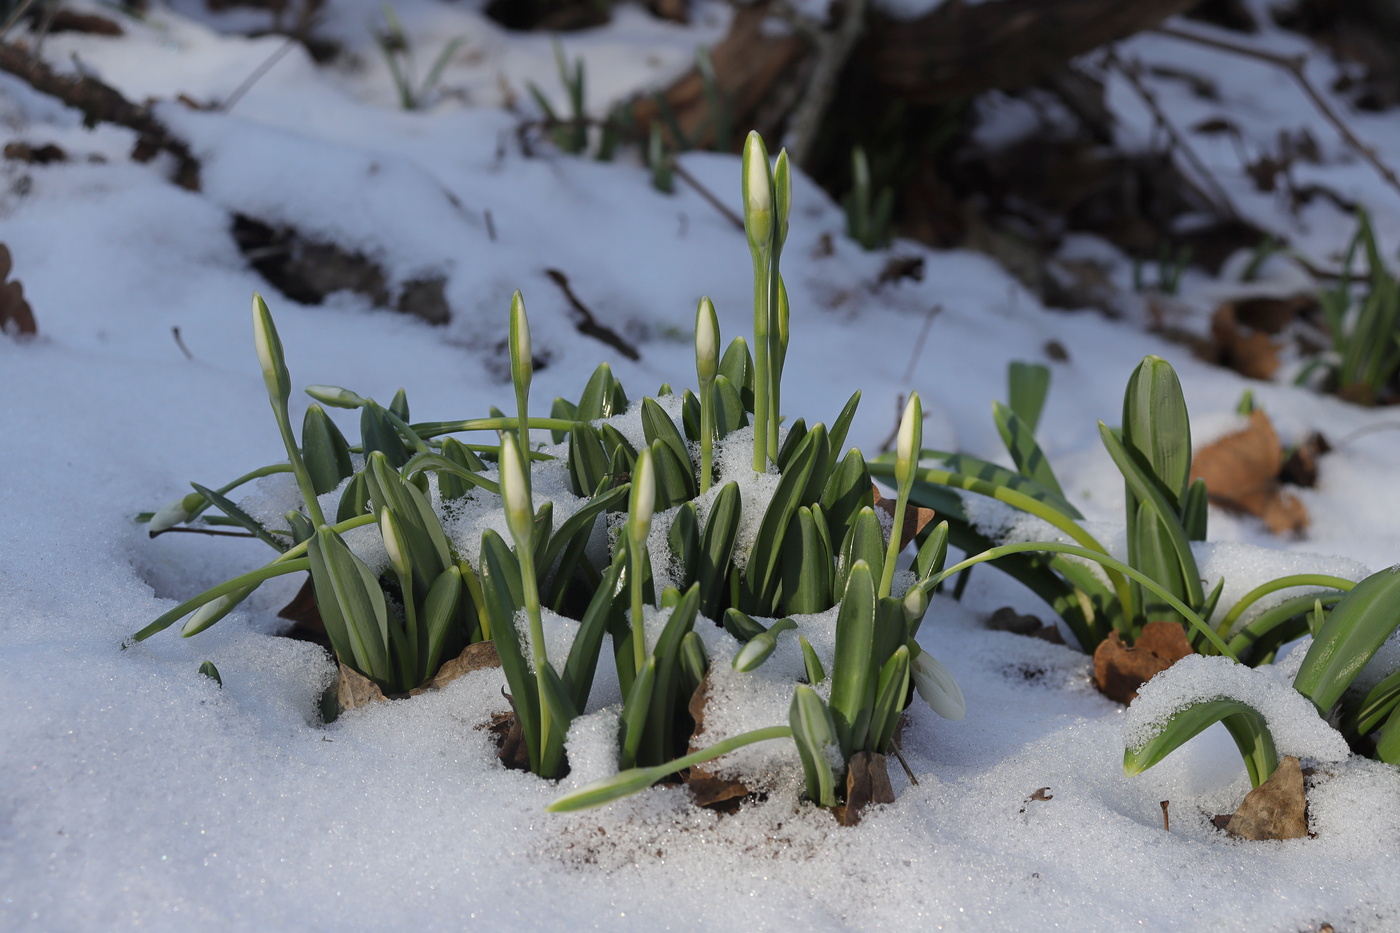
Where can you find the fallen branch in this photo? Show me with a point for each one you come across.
(1293, 64)
(101, 103)
(588, 325)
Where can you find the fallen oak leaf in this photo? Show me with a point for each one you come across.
(1241, 472)
(16, 317)
(916, 517)
(1247, 351)
(1120, 669)
(1276, 809)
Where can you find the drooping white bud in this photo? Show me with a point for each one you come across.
(937, 687)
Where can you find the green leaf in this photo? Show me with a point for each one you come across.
(634, 713)
(602, 396)
(582, 662)
(352, 607)
(577, 528)
(842, 425)
(1359, 624)
(717, 547)
(587, 460)
(815, 672)
(452, 484)
(737, 366)
(852, 690)
(223, 504)
(1247, 727)
(847, 491)
(1020, 442)
(399, 405)
(1194, 515)
(797, 432)
(564, 410)
(759, 648)
(438, 613)
(658, 426)
(377, 432)
(675, 482)
(354, 499)
(890, 693)
(933, 552)
(500, 584)
(730, 413)
(325, 450)
(209, 670)
(690, 416)
(761, 574)
(741, 625)
(561, 714)
(865, 541)
(1028, 385)
(807, 567)
(813, 731)
(684, 540)
(1156, 426)
(667, 655)
(694, 661)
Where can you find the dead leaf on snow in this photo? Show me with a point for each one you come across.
(1249, 352)
(1242, 470)
(16, 317)
(708, 789)
(354, 690)
(916, 517)
(1276, 809)
(867, 783)
(1119, 670)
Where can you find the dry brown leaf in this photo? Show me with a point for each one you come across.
(16, 317)
(1241, 471)
(1276, 809)
(1120, 670)
(354, 690)
(474, 657)
(916, 517)
(1247, 351)
(867, 782)
(706, 788)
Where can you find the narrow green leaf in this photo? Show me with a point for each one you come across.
(564, 410)
(1247, 727)
(890, 693)
(348, 593)
(730, 413)
(717, 547)
(225, 505)
(582, 662)
(807, 566)
(761, 574)
(658, 426)
(865, 541)
(741, 625)
(847, 491)
(852, 690)
(354, 499)
(1025, 452)
(684, 540)
(842, 425)
(438, 613)
(1156, 425)
(815, 672)
(1359, 624)
(634, 713)
(1028, 385)
(325, 450)
(377, 433)
(814, 730)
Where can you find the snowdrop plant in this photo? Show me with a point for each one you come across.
(1164, 514)
(1343, 644)
(393, 41)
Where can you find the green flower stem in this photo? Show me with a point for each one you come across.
(636, 555)
(636, 779)
(289, 561)
(436, 428)
(408, 432)
(252, 578)
(775, 352)
(761, 351)
(248, 477)
(1108, 563)
(1273, 586)
(530, 591)
(1026, 504)
(707, 436)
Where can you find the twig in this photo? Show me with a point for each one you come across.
(1178, 141)
(919, 344)
(832, 51)
(101, 103)
(490, 224)
(1166, 820)
(589, 326)
(899, 755)
(1294, 66)
(180, 342)
(707, 194)
(257, 74)
(14, 17)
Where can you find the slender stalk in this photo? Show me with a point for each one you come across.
(1273, 586)
(1135, 575)
(436, 428)
(761, 384)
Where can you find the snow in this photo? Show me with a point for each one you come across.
(135, 793)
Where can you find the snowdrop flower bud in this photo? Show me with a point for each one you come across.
(915, 604)
(335, 396)
(514, 491)
(269, 347)
(521, 362)
(392, 534)
(911, 440)
(706, 342)
(212, 612)
(758, 194)
(173, 513)
(642, 500)
(782, 193)
(936, 685)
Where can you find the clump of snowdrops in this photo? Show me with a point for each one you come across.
(819, 545)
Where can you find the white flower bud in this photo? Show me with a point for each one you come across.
(937, 687)
(706, 342)
(911, 439)
(335, 396)
(758, 194)
(515, 493)
(642, 500)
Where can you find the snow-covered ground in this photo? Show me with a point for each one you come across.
(135, 793)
